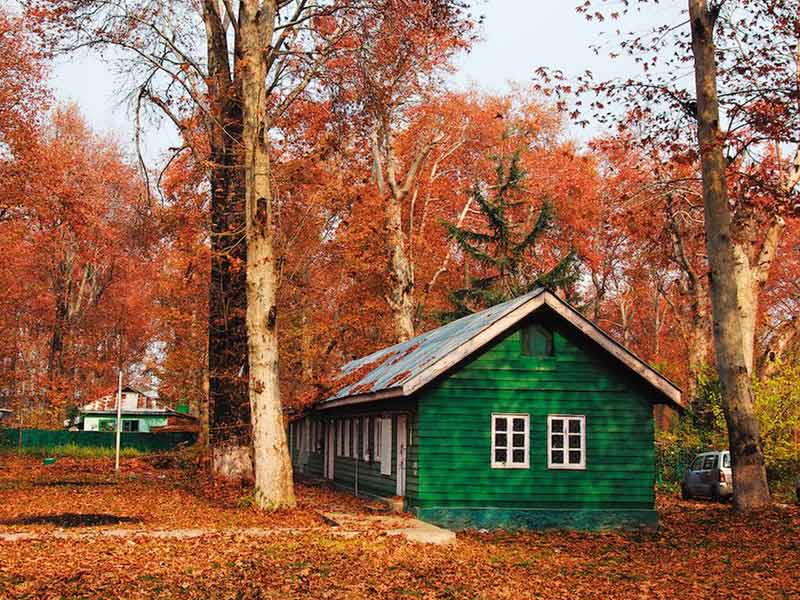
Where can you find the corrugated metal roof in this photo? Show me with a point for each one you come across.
(399, 363)
(136, 402)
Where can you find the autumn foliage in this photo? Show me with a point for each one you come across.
(103, 267)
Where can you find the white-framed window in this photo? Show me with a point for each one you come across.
(365, 438)
(339, 438)
(510, 441)
(566, 441)
(346, 439)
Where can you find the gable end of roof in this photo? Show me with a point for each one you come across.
(405, 368)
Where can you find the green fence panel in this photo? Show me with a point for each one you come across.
(47, 438)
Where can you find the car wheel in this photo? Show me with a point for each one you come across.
(714, 493)
(685, 493)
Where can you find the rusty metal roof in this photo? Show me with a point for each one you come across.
(402, 369)
(398, 364)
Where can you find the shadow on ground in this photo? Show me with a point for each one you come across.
(71, 520)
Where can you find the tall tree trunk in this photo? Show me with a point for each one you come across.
(273, 469)
(749, 475)
(229, 414)
(401, 272)
(229, 404)
(753, 265)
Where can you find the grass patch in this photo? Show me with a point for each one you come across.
(72, 451)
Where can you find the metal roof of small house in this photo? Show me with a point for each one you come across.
(402, 369)
(142, 402)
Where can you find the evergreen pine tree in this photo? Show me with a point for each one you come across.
(506, 251)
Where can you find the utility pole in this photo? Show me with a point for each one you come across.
(119, 422)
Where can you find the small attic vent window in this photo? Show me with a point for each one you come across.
(537, 340)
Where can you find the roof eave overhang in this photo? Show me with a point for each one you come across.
(670, 393)
(395, 392)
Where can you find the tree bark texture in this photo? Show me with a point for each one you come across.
(749, 474)
(273, 469)
(229, 404)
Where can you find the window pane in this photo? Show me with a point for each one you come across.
(518, 456)
(708, 463)
(557, 457)
(726, 460)
(556, 441)
(500, 439)
(519, 424)
(500, 455)
(537, 341)
(574, 457)
(500, 424)
(557, 425)
(574, 426)
(519, 440)
(575, 441)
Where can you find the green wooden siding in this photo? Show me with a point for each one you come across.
(454, 433)
(107, 422)
(371, 482)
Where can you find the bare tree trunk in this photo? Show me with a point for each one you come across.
(401, 273)
(273, 469)
(752, 275)
(749, 474)
(401, 269)
(229, 404)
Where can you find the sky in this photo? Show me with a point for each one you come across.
(517, 37)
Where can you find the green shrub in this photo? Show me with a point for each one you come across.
(702, 427)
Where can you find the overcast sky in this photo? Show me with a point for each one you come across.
(518, 36)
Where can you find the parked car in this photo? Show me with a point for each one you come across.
(709, 476)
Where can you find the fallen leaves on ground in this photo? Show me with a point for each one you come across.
(702, 550)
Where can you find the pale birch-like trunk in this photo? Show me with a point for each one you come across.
(751, 279)
(401, 272)
(400, 295)
(273, 469)
(753, 263)
(749, 475)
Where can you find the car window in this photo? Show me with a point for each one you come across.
(697, 464)
(726, 461)
(708, 463)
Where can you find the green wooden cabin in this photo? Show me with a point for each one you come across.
(525, 415)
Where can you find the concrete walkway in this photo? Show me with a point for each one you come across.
(412, 529)
(340, 525)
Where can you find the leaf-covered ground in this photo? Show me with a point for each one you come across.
(702, 550)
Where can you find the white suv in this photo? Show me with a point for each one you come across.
(709, 476)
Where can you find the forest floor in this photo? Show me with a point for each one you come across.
(62, 513)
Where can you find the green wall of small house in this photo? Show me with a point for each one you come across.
(95, 422)
(450, 479)
(371, 483)
(459, 488)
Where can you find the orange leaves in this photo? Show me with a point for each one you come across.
(702, 550)
(79, 244)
